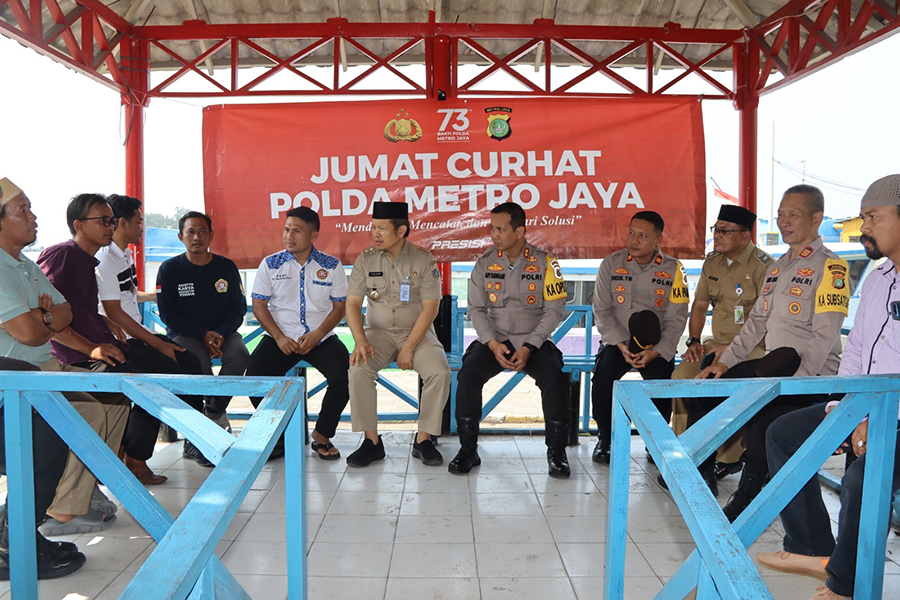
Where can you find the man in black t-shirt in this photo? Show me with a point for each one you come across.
(201, 301)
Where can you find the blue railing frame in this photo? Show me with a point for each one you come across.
(574, 364)
(183, 565)
(720, 566)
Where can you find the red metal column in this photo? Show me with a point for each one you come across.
(747, 103)
(441, 89)
(136, 71)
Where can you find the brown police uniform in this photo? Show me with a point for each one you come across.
(731, 290)
(802, 305)
(623, 287)
(389, 319)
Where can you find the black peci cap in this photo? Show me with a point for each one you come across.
(737, 215)
(644, 331)
(390, 210)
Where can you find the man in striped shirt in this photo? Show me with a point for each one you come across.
(873, 346)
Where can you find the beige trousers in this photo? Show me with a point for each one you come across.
(107, 414)
(731, 450)
(429, 361)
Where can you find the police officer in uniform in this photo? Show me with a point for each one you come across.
(403, 290)
(638, 277)
(731, 280)
(516, 300)
(804, 300)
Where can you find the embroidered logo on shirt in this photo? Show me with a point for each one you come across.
(622, 271)
(495, 267)
(322, 274)
(497, 286)
(663, 274)
(767, 288)
(532, 268)
(660, 292)
(794, 308)
(185, 289)
(221, 286)
(659, 302)
(658, 260)
(796, 291)
(806, 252)
(531, 300)
(774, 272)
(490, 285)
(805, 272)
(492, 297)
(620, 288)
(532, 287)
(766, 305)
(620, 299)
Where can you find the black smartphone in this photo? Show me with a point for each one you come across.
(707, 360)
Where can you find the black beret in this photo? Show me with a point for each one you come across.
(737, 215)
(780, 362)
(390, 210)
(644, 331)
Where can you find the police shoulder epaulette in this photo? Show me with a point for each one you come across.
(370, 250)
(763, 257)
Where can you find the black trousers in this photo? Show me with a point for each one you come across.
(330, 358)
(610, 367)
(807, 524)
(50, 452)
(754, 456)
(544, 366)
(143, 428)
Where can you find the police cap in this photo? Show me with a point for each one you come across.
(644, 331)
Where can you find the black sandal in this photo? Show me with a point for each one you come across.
(316, 446)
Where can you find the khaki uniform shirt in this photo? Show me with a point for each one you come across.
(522, 300)
(379, 278)
(623, 288)
(727, 287)
(802, 306)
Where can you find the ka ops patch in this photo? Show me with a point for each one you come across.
(554, 286)
(833, 294)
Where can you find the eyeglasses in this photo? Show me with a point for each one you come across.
(714, 230)
(105, 221)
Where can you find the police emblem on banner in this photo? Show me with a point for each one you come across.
(498, 122)
(402, 129)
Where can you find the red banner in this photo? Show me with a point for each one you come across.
(580, 168)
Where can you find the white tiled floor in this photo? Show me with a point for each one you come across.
(399, 530)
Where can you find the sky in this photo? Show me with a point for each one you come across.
(63, 134)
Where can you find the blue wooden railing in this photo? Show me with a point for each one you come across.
(183, 563)
(720, 566)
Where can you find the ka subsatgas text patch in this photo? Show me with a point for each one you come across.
(833, 294)
(679, 293)
(554, 286)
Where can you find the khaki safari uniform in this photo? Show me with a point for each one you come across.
(802, 305)
(623, 288)
(390, 316)
(731, 290)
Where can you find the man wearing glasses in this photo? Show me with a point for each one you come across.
(93, 341)
(732, 277)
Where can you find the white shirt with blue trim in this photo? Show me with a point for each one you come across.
(300, 296)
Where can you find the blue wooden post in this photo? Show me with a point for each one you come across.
(20, 496)
(617, 522)
(876, 500)
(295, 505)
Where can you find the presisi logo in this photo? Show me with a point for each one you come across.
(456, 244)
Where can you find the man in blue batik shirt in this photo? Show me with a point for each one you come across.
(298, 298)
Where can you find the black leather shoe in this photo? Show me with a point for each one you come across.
(191, 452)
(723, 470)
(65, 549)
(426, 451)
(367, 453)
(558, 463)
(465, 459)
(601, 452)
(53, 562)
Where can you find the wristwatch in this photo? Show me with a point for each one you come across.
(691, 341)
(531, 347)
(46, 317)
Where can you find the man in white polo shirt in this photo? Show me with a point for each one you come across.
(298, 298)
(117, 288)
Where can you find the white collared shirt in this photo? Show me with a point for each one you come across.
(117, 280)
(300, 296)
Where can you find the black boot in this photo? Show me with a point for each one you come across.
(749, 487)
(557, 435)
(467, 457)
(601, 450)
(54, 559)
